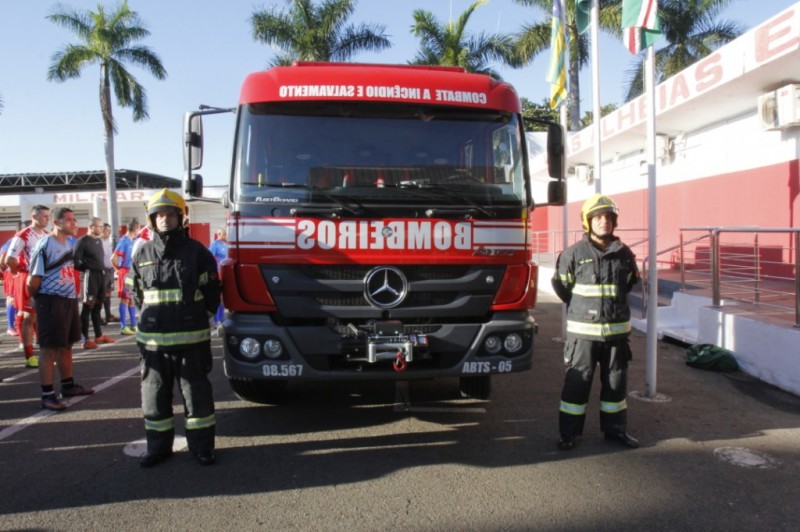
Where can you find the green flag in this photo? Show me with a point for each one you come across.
(582, 9)
(640, 24)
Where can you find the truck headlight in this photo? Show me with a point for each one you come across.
(492, 345)
(513, 343)
(250, 348)
(273, 348)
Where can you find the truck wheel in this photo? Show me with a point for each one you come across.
(261, 392)
(475, 387)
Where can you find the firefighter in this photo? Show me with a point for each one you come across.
(593, 277)
(176, 287)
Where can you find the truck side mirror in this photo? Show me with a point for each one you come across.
(192, 141)
(557, 193)
(556, 154)
(193, 185)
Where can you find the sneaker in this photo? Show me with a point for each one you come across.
(112, 319)
(32, 362)
(51, 402)
(12, 332)
(104, 340)
(76, 390)
(89, 344)
(127, 331)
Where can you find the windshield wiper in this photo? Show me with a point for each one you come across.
(439, 192)
(334, 211)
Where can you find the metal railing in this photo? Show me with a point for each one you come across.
(760, 269)
(548, 244)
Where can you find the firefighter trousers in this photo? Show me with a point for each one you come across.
(581, 358)
(190, 368)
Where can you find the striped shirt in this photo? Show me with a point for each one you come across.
(52, 260)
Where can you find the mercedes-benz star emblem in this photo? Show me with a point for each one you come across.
(385, 287)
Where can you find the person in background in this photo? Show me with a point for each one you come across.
(219, 248)
(175, 284)
(8, 290)
(52, 282)
(18, 259)
(593, 277)
(88, 258)
(121, 261)
(108, 251)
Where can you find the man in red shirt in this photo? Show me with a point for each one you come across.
(18, 260)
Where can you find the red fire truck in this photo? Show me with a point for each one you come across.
(378, 227)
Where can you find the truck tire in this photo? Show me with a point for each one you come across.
(258, 391)
(475, 387)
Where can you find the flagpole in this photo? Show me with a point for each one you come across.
(652, 257)
(595, 24)
(565, 210)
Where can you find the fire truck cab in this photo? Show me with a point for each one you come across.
(378, 227)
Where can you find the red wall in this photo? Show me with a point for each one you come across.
(767, 197)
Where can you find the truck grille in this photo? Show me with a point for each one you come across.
(435, 292)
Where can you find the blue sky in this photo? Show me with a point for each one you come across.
(207, 49)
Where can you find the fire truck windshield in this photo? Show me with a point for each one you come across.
(379, 153)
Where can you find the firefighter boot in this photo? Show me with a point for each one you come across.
(159, 448)
(201, 444)
(624, 438)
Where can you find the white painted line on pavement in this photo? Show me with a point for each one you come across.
(28, 421)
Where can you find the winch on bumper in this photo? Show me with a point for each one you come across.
(384, 341)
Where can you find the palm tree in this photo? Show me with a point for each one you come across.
(309, 33)
(106, 40)
(692, 33)
(451, 45)
(533, 38)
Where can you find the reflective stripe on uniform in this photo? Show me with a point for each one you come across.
(595, 290)
(194, 423)
(159, 425)
(600, 330)
(154, 340)
(613, 408)
(174, 295)
(566, 278)
(572, 409)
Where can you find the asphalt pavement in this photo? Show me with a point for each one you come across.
(719, 452)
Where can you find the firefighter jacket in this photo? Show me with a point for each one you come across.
(594, 283)
(176, 286)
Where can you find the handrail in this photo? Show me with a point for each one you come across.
(796, 232)
(734, 274)
(645, 285)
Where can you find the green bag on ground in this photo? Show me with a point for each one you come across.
(711, 357)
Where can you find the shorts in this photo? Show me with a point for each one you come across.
(109, 280)
(122, 292)
(93, 287)
(59, 321)
(22, 298)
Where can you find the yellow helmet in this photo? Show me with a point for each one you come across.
(595, 205)
(166, 198)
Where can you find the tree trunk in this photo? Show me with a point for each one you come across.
(108, 142)
(574, 96)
